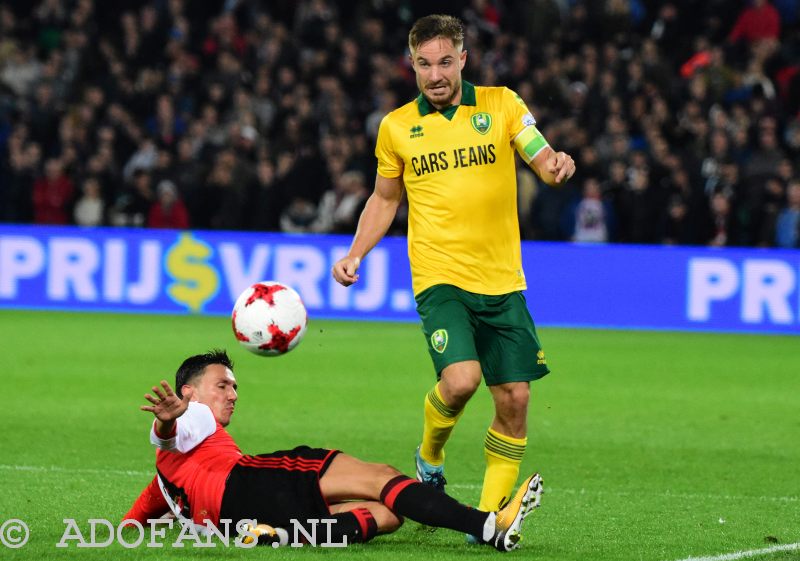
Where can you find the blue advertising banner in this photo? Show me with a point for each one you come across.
(659, 287)
(161, 271)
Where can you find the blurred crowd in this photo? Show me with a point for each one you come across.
(683, 117)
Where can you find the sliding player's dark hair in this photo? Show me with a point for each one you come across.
(194, 366)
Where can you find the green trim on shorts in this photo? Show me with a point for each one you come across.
(497, 331)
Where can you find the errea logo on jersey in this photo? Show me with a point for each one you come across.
(416, 131)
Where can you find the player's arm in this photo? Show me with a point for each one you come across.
(167, 407)
(554, 168)
(378, 214)
(179, 425)
(150, 504)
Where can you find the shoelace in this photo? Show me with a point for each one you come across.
(436, 480)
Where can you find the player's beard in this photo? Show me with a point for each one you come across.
(441, 103)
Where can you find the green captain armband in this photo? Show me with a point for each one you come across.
(529, 143)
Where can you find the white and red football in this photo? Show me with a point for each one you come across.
(269, 318)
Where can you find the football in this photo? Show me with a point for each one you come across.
(269, 318)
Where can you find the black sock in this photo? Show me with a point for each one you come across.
(427, 505)
(358, 525)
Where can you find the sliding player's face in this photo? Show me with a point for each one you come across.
(438, 64)
(217, 389)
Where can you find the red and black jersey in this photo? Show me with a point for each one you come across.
(194, 462)
(204, 476)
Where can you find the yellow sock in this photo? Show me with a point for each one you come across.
(503, 457)
(439, 422)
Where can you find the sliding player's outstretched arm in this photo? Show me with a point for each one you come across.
(167, 407)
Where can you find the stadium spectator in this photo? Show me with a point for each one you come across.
(768, 155)
(22, 169)
(266, 197)
(204, 475)
(168, 210)
(299, 216)
(341, 206)
(133, 205)
(718, 155)
(591, 219)
(188, 173)
(772, 196)
(52, 195)
(721, 231)
(144, 159)
(165, 125)
(758, 22)
(90, 207)
(685, 206)
(787, 226)
(638, 208)
(387, 102)
(22, 70)
(227, 188)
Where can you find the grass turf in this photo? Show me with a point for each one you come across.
(653, 446)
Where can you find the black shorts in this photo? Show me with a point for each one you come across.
(274, 488)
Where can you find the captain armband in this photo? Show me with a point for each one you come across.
(529, 142)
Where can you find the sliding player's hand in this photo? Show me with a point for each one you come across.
(167, 406)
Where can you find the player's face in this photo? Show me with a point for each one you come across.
(217, 389)
(438, 64)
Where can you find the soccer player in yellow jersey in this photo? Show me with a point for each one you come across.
(452, 151)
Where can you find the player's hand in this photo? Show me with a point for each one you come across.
(561, 165)
(167, 406)
(345, 270)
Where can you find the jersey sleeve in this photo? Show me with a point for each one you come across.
(150, 504)
(193, 427)
(390, 165)
(522, 130)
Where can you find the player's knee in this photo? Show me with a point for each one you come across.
(382, 474)
(520, 396)
(513, 398)
(387, 520)
(458, 390)
(511, 408)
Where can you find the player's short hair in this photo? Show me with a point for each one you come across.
(436, 25)
(194, 366)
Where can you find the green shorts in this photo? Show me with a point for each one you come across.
(497, 331)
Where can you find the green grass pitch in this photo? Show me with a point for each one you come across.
(653, 446)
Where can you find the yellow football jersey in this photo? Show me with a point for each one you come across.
(458, 169)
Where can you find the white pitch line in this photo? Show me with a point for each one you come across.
(744, 554)
(88, 471)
